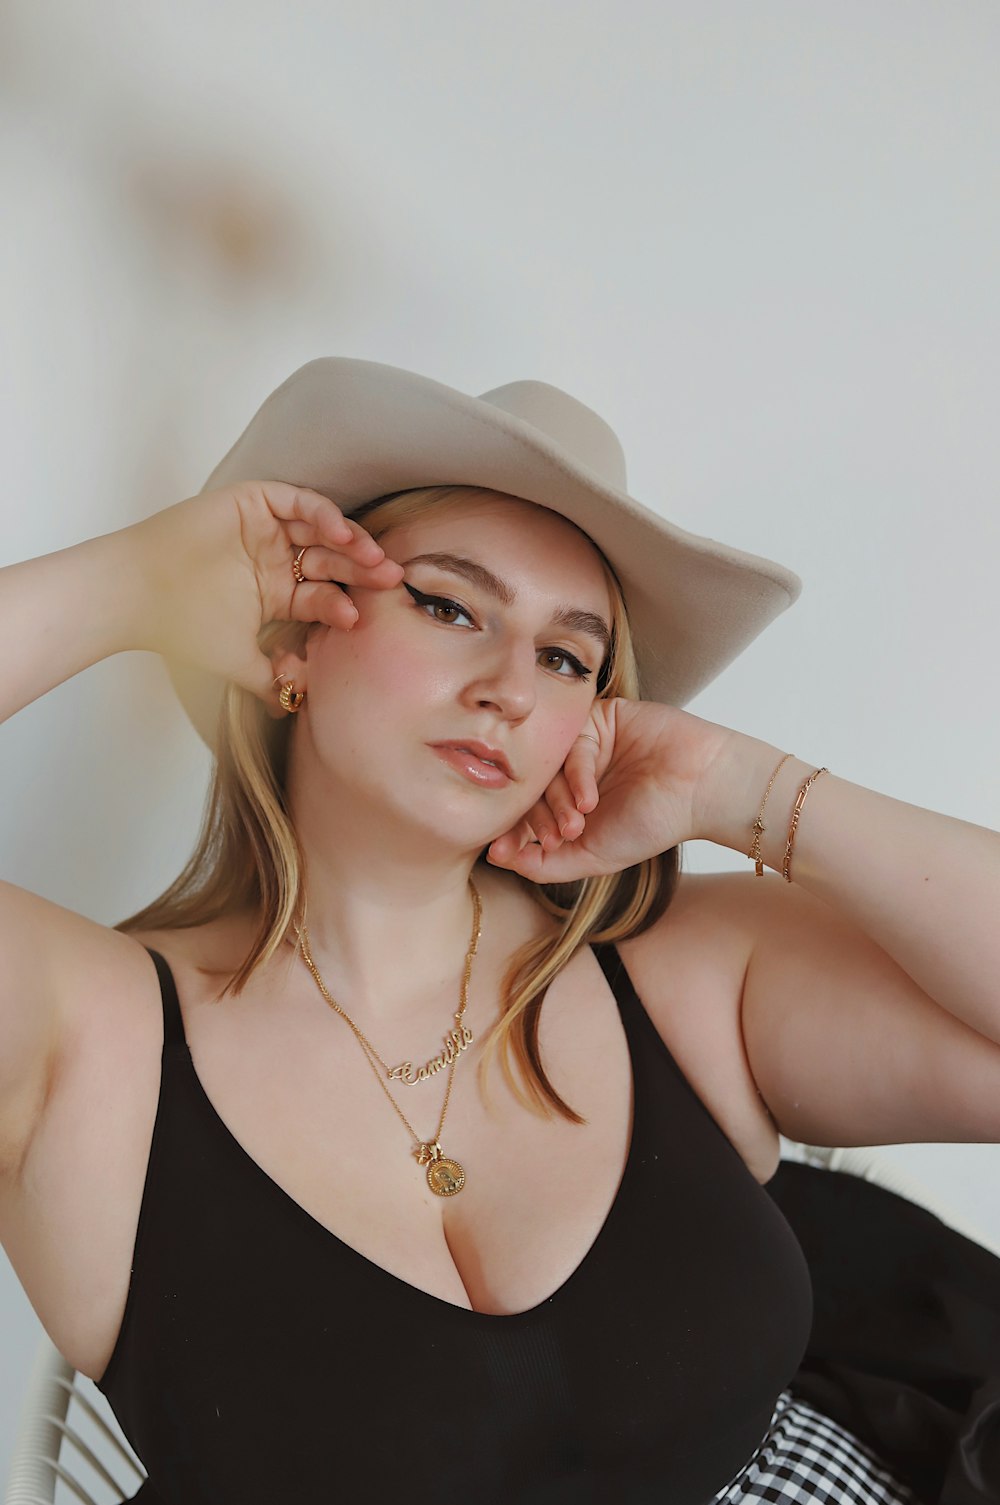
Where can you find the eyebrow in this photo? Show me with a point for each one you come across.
(573, 618)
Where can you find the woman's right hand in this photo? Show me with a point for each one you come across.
(219, 567)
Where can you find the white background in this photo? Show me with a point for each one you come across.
(760, 240)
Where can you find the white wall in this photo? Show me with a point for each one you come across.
(762, 241)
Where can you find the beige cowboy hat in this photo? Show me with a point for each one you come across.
(356, 430)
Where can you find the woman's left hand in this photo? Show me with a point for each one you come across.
(628, 795)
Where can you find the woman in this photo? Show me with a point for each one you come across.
(310, 1257)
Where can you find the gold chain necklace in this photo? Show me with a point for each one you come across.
(445, 1177)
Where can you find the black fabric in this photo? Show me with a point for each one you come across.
(263, 1359)
(905, 1344)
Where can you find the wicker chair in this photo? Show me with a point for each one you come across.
(63, 1436)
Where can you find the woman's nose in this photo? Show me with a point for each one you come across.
(509, 681)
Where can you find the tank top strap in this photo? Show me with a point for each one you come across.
(614, 971)
(173, 1020)
(644, 1041)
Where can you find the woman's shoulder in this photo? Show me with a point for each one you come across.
(203, 958)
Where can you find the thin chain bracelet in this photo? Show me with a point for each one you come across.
(758, 826)
(799, 801)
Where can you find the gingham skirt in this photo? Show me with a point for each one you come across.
(806, 1458)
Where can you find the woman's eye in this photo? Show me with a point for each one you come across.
(580, 671)
(436, 601)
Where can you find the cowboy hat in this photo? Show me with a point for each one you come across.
(357, 430)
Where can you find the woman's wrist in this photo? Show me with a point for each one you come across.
(730, 799)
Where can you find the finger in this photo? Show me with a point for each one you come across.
(546, 825)
(561, 801)
(299, 506)
(319, 601)
(519, 861)
(565, 866)
(354, 541)
(518, 851)
(529, 862)
(583, 756)
(511, 842)
(350, 567)
(542, 822)
(542, 866)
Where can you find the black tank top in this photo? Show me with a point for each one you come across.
(262, 1359)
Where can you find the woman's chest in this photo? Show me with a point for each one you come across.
(305, 1126)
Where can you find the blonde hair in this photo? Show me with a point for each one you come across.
(248, 854)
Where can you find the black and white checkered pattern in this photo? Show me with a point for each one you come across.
(806, 1458)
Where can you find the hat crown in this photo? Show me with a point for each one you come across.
(567, 422)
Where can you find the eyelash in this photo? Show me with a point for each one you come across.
(580, 671)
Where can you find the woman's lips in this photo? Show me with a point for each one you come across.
(472, 767)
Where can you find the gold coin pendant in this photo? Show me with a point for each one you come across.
(445, 1177)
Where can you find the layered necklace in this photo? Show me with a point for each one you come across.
(445, 1176)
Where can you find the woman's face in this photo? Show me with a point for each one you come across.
(412, 673)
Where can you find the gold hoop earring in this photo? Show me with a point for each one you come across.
(290, 698)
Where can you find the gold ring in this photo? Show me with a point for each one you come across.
(297, 564)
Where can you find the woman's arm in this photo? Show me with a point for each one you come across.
(58, 614)
(62, 612)
(198, 579)
(924, 886)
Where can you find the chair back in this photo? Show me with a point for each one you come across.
(68, 1445)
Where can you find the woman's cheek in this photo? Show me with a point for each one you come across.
(378, 655)
(567, 730)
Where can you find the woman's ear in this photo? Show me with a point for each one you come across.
(292, 666)
(289, 668)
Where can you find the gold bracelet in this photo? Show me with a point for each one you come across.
(799, 801)
(758, 826)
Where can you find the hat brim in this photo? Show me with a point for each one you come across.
(356, 430)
